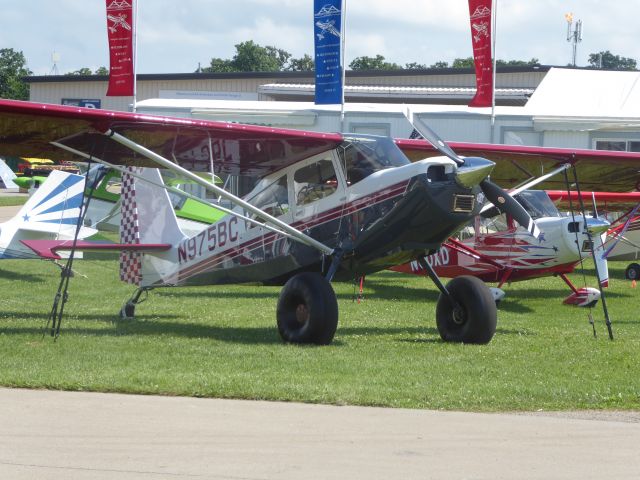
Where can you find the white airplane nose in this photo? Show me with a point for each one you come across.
(597, 225)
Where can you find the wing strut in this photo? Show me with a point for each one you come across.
(175, 190)
(531, 183)
(593, 254)
(296, 234)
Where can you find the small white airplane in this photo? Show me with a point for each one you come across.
(51, 213)
(307, 208)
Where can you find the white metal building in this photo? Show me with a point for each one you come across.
(570, 108)
(451, 86)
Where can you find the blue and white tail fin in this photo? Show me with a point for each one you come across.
(55, 207)
(147, 217)
(51, 213)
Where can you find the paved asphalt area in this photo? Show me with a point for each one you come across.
(77, 435)
(6, 213)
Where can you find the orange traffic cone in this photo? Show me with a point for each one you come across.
(633, 284)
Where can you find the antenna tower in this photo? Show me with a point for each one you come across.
(574, 36)
(55, 58)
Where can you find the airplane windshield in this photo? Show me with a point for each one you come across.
(362, 155)
(537, 203)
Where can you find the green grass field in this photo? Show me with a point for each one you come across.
(12, 200)
(222, 342)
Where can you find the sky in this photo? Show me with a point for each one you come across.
(176, 36)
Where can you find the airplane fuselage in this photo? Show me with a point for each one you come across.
(389, 216)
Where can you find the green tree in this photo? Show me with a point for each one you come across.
(87, 71)
(468, 63)
(415, 66)
(13, 67)
(518, 63)
(463, 62)
(302, 64)
(251, 57)
(373, 63)
(440, 64)
(219, 65)
(81, 71)
(608, 61)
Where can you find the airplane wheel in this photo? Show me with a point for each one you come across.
(473, 319)
(632, 272)
(307, 310)
(128, 311)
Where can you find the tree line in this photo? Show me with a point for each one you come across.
(252, 57)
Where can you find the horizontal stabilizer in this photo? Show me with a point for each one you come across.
(48, 248)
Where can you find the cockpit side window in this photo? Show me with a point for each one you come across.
(537, 203)
(315, 181)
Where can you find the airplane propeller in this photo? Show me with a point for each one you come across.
(507, 204)
(504, 202)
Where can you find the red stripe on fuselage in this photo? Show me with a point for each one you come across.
(307, 223)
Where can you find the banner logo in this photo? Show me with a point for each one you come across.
(120, 34)
(480, 18)
(327, 41)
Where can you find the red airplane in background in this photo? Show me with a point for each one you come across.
(495, 249)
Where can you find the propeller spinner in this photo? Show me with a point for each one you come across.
(475, 171)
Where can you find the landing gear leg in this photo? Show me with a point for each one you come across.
(128, 310)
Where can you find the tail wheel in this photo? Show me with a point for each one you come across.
(632, 272)
(307, 310)
(473, 318)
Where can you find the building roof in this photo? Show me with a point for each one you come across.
(587, 93)
(465, 94)
(282, 75)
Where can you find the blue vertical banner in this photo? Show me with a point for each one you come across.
(327, 23)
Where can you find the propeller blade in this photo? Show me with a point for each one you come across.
(507, 204)
(432, 137)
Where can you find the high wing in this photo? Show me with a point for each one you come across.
(28, 129)
(597, 170)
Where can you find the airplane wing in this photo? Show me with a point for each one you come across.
(597, 170)
(604, 200)
(28, 129)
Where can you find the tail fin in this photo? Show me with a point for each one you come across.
(55, 207)
(147, 217)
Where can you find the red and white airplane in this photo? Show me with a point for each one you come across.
(497, 250)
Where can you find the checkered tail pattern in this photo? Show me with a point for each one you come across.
(130, 262)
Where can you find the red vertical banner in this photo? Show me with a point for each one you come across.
(120, 32)
(480, 17)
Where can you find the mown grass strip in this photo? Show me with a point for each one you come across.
(12, 200)
(222, 342)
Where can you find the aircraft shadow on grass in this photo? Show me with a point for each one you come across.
(158, 325)
(14, 276)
